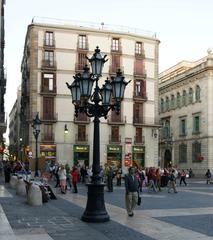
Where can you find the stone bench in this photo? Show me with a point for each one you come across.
(21, 188)
(34, 194)
(13, 182)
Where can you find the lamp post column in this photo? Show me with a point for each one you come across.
(36, 162)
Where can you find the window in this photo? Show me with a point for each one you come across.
(138, 113)
(138, 135)
(184, 98)
(183, 127)
(166, 130)
(172, 101)
(167, 104)
(178, 100)
(115, 134)
(81, 133)
(115, 117)
(48, 82)
(139, 70)
(48, 132)
(140, 88)
(162, 105)
(196, 124)
(115, 44)
(182, 153)
(190, 98)
(48, 40)
(196, 151)
(115, 63)
(82, 42)
(138, 48)
(197, 93)
(82, 61)
(49, 58)
(48, 108)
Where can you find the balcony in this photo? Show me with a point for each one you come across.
(117, 50)
(82, 47)
(115, 119)
(49, 117)
(79, 67)
(82, 118)
(140, 96)
(50, 44)
(140, 55)
(139, 140)
(81, 139)
(48, 64)
(46, 91)
(138, 121)
(48, 138)
(141, 73)
(113, 69)
(3, 123)
(114, 139)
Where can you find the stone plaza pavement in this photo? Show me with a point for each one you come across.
(162, 215)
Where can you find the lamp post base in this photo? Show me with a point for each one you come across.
(95, 210)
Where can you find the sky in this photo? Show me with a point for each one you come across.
(184, 27)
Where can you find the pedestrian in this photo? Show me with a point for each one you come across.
(83, 172)
(7, 171)
(62, 177)
(68, 179)
(172, 181)
(131, 186)
(208, 176)
(152, 179)
(158, 179)
(75, 177)
(110, 175)
(55, 172)
(118, 177)
(183, 177)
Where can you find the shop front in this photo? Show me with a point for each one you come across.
(114, 156)
(47, 153)
(138, 153)
(81, 155)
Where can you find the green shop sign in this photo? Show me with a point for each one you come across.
(114, 148)
(138, 149)
(80, 148)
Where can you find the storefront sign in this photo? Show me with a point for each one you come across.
(81, 148)
(114, 148)
(48, 151)
(138, 149)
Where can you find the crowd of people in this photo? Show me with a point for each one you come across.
(67, 178)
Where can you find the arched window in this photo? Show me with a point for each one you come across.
(184, 98)
(178, 99)
(197, 93)
(190, 97)
(167, 104)
(162, 105)
(172, 101)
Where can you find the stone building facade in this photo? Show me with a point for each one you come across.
(53, 53)
(3, 121)
(185, 106)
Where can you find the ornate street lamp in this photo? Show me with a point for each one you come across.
(36, 130)
(96, 105)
